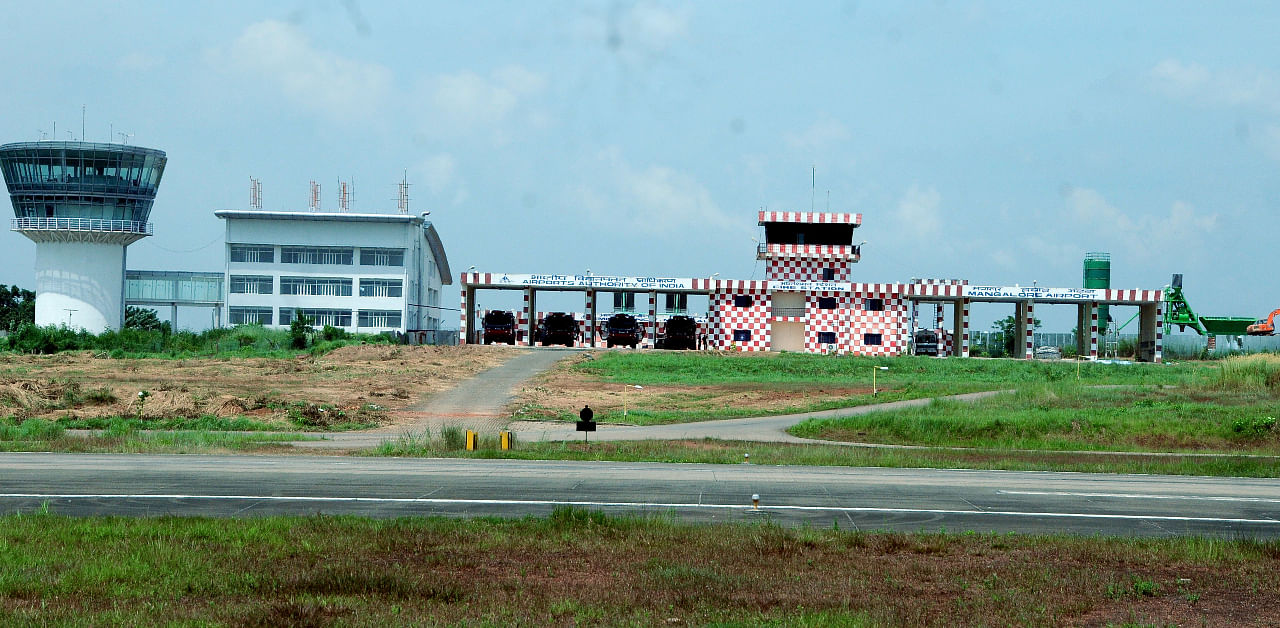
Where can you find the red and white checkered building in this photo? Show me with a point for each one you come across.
(808, 301)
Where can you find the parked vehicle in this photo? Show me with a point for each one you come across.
(1264, 327)
(499, 327)
(926, 342)
(681, 333)
(558, 328)
(622, 330)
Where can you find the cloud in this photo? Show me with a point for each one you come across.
(1235, 87)
(439, 174)
(139, 62)
(824, 132)
(654, 27)
(918, 212)
(469, 99)
(654, 200)
(636, 32)
(1183, 229)
(280, 57)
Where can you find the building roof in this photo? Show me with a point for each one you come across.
(820, 218)
(428, 229)
(46, 146)
(261, 214)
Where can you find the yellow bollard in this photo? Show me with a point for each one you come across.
(472, 437)
(506, 439)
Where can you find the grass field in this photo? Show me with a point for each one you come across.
(711, 451)
(124, 437)
(585, 568)
(1069, 417)
(696, 386)
(1230, 408)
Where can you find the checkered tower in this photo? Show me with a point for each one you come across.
(821, 247)
(809, 246)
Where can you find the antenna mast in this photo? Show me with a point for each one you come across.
(813, 184)
(314, 202)
(344, 196)
(255, 193)
(403, 202)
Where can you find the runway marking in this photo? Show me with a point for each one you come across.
(1146, 496)
(533, 502)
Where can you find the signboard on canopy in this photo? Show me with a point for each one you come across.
(810, 286)
(1026, 293)
(599, 282)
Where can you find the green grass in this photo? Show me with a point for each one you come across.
(239, 341)
(952, 374)
(124, 437)
(908, 377)
(1072, 417)
(206, 423)
(713, 451)
(583, 567)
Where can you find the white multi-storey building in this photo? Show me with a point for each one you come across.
(359, 272)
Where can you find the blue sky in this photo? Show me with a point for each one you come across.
(991, 141)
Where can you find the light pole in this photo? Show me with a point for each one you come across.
(624, 397)
(873, 377)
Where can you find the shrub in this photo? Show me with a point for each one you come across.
(331, 333)
(298, 330)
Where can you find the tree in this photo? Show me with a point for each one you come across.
(142, 318)
(1007, 328)
(17, 306)
(298, 330)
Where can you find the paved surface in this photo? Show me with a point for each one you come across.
(477, 403)
(855, 498)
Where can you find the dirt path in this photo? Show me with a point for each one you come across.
(478, 403)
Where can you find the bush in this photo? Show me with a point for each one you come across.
(331, 333)
(1254, 427)
(245, 339)
(298, 330)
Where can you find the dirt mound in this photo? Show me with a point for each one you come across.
(373, 353)
(226, 405)
(389, 377)
(22, 394)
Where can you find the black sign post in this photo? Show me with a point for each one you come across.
(586, 422)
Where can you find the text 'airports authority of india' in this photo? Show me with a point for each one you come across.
(596, 281)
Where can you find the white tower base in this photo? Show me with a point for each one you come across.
(80, 281)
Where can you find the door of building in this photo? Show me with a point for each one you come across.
(787, 336)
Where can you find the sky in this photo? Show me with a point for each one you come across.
(991, 141)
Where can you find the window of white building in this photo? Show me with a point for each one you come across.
(334, 255)
(250, 315)
(253, 253)
(251, 284)
(379, 318)
(316, 286)
(381, 288)
(381, 257)
(319, 317)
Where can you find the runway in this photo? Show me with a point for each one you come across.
(852, 498)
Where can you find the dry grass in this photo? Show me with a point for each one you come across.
(392, 377)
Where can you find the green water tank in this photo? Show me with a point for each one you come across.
(1097, 274)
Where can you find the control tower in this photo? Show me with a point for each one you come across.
(82, 203)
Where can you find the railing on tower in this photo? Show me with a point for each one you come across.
(82, 224)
